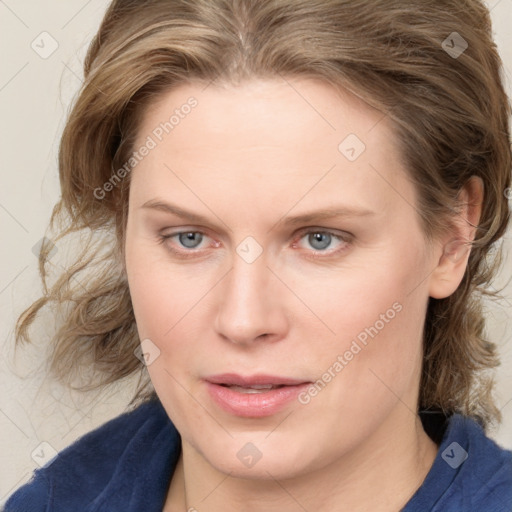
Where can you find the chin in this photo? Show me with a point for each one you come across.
(246, 457)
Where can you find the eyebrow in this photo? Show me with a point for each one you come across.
(322, 214)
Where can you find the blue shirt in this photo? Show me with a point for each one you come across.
(126, 466)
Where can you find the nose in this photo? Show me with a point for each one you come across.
(251, 305)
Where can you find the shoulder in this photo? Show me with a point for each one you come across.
(104, 458)
(470, 473)
(485, 474)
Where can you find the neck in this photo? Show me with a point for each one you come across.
(382, 475)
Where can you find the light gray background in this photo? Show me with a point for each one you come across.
(35, 94)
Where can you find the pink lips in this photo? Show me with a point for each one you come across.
(256, 396)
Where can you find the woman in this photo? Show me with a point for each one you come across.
(304, 195)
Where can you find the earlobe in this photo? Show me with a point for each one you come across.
(454, 250)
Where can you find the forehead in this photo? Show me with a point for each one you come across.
(265, 107)
(265, 136)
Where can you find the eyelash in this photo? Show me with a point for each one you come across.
(345, 239)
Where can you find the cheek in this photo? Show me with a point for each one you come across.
(150, 299)
(373, 303)
(161, 300)
(378, 318)
(168, 304)
(160, 293)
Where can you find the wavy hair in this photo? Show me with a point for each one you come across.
(449, 112)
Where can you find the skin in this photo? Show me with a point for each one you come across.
(247, 157)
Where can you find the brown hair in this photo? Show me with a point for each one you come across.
(449, 111)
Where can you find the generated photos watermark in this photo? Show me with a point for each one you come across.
(151, 142)
(357, 345)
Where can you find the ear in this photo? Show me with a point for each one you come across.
(454, 247)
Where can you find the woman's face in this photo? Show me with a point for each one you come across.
(278, 273)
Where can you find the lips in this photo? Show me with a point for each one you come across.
(251, 389)
(253, 396)
(232, 379)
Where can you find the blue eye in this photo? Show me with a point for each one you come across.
(187, 242)
(318, 239)
(190, 239)
(321, 238)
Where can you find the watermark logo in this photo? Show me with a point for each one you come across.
(44, 454)
(44, 45)
(454, 45)
(249, 249)
(351, 147)
(147, 352)
(454, 455)
(47, 243)
(249, 455)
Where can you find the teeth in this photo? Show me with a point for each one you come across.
(253, 389)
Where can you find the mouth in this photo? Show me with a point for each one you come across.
(252, 389)
(253, 396)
